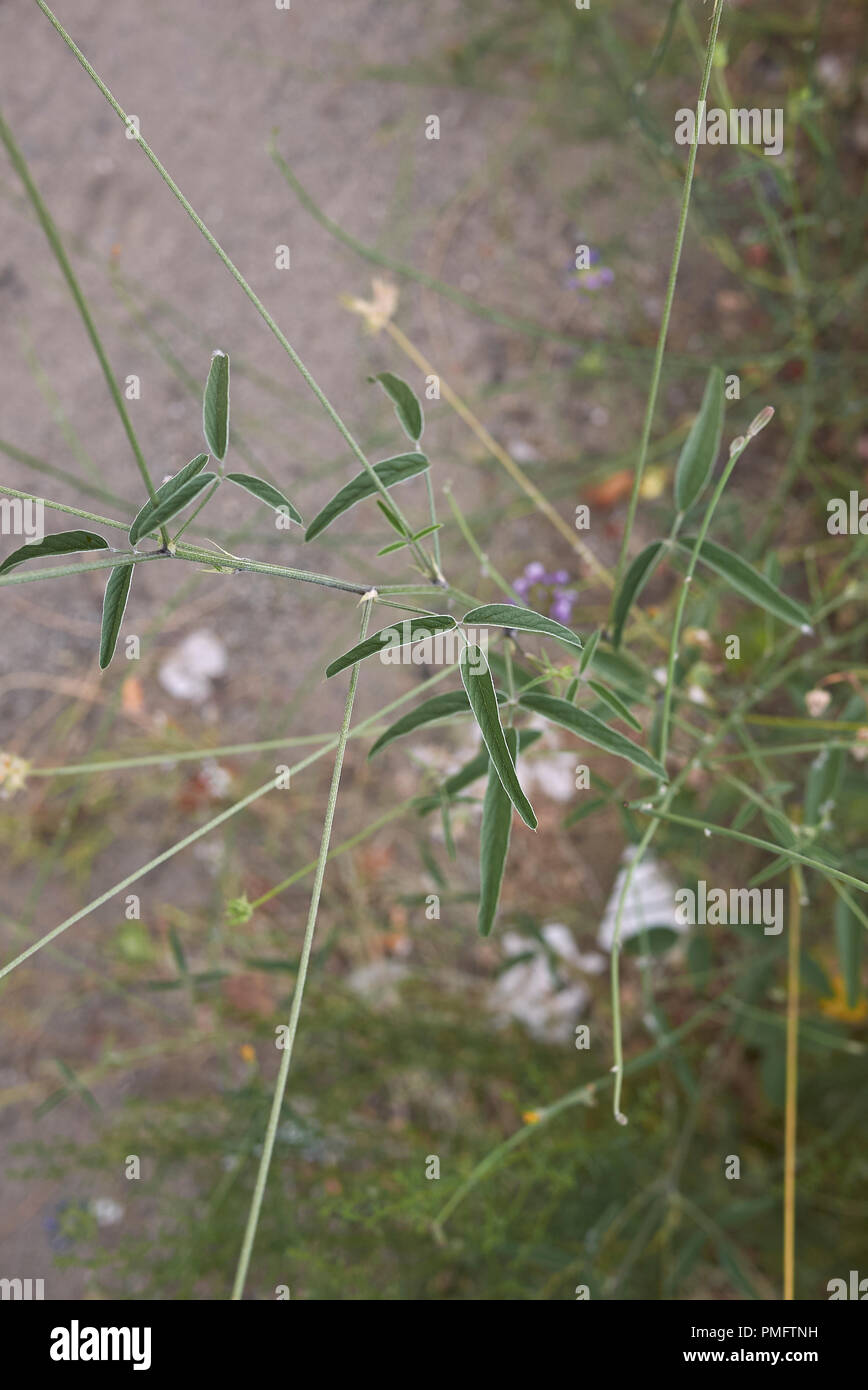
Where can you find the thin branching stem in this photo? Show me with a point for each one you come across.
(301, 980)
(290, 351)
(657, 369)
(51, 232)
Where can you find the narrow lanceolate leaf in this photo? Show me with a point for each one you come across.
(848, 936)
(401, 634)
(117, 592)
(64, 543)
(483, 701)
(407, 408)
(142, 525)
(420, 535)
(389, 471)
(271, 496)
(590, 648)
(634, 582)
(494, 841)
(523, 620)
(472, 771)
(750, 583)
(215, 406)
(591, 729)
(615, 704)
(438, 707)
(170, 505)
(697, 458)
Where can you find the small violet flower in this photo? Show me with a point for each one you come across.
(588, 278)
(552, 594)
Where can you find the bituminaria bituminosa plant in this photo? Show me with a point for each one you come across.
(582, 683)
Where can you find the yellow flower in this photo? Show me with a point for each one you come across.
(653, 483)
(247, 1053)
(837, 1007)
(13, 774)
(531, 1117)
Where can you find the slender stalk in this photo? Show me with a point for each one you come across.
(61, 507)
(497, 451)
(301, 980)
(175, 756)
(582, 1095)
(51, 232)
(115, 557)
(212, 824)
(240, 280)
(645, 808)
(792, 1087)
(682, 597)
(375, 257)
(392, 814)
(657, 369)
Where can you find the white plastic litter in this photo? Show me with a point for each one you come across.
(650, 902)
(190, 668)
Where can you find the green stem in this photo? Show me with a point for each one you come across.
(682, 597)
(217, 820)
(780, 850)
(657, 369)
(117, 557)
(301, 979)
(174, 756)
(60, 507)
(240, 280)
(209, 493)
(62, 259)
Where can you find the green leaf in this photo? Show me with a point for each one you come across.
(438, 707)
(271, 496)
(64, 543)
(177, 501)
(215, 406)
(615, 704)
(623, 672)
(590, 648)
(848, 935)
(178, 952)
(523, 620)
(634, 582)
(142, 524)
(472, 771)
(401, 634)
(697, 458)
(822, 783)
(494, 841)
(390, 517)
(407, 408)
(420, 535)
(750, 583)
(389, 471)
(591, 729)
(483, 701)
(117, 592)
(653, 941)
(586, 809)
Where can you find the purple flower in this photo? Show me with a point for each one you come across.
(550, 593)
(561, 608)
